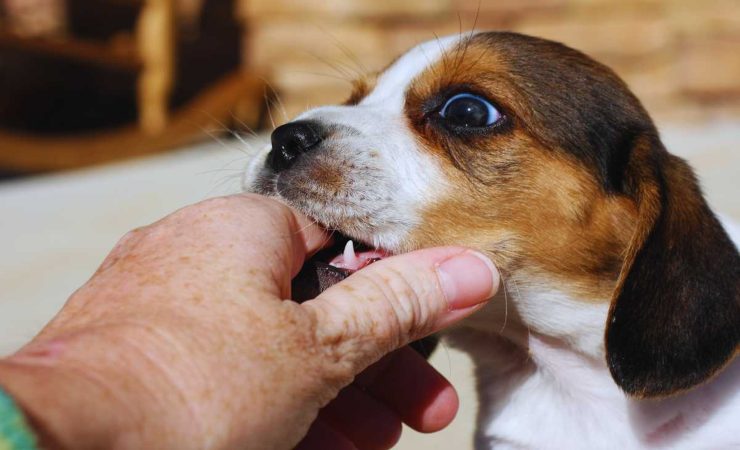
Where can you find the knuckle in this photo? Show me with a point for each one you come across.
(402, 293)
(404, 288)
(219, 206)
(337, 344)
(398, 310)
(217, 203)
(126, 244)
(131, 238)
(393, 313)
(205, 215)
(244, 207)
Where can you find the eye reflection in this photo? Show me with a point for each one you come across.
(469, 111)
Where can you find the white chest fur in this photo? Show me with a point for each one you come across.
(554, 398)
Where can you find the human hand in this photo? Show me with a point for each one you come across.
(182, 339)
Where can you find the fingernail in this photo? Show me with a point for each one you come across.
(468, 279)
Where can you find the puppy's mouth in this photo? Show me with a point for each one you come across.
(333, 264)
(354, 257)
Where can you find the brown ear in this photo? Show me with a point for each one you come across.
(674, 319)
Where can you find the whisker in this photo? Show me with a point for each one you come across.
(243, 125)
(337, 66)
(277, 99)
(216, 138)
(220, 184)
(212, 171)
(361, 68)
(239, 138)
(444, 52)
(519, 296)
(269, 110)
(320, 74)
(215, 119)
(225, 129)
(506, 304)
(313, 222)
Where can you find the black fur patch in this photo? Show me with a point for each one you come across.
(578, 105)
(676, 320)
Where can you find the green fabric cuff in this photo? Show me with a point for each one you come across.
(15, 434)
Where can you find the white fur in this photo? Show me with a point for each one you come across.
(389, 93)
(543, 382)
(550, 397)
(551, 312)
(376, 119)
(368, 138)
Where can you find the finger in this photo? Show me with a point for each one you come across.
(321, 436)
(307, 236)
(268, 237)
(368, 423)
(311, 237)
(411, 387)
(367, 376)
(400, 299)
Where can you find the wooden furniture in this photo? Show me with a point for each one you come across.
(149, 51)
(204, 117)
(156, 50)
(151, 55)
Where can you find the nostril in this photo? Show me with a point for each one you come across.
(291, 140)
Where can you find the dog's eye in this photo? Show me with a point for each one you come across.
(469, 111)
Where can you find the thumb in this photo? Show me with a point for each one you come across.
(400, 299)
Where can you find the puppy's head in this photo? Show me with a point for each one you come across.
(542, 158)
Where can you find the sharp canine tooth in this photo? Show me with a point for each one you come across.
(349, 253)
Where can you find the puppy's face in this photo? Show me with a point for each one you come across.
(522, 148)
(480, 141)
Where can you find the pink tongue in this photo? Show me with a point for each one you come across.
(355, 261)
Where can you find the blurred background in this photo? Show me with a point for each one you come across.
(83, 82)
(116, 112)
(682, 57)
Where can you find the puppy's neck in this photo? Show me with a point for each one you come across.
(528, 308)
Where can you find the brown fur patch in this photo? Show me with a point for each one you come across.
(524, 203)
(360, 89)
(551, 217)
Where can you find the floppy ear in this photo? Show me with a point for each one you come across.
(674, 319)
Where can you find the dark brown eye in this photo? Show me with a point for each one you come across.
(469, 111)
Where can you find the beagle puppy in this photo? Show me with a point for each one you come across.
(617, 326)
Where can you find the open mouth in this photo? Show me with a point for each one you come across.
(331, 265)
(355, 257)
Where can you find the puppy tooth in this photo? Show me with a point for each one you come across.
(349, 253)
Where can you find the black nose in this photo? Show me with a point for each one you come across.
(291, 140)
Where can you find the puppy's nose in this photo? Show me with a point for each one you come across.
(291, 140)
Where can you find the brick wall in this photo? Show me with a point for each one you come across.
(682, 57)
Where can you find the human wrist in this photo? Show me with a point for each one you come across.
(78, 394)
(61, 417)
